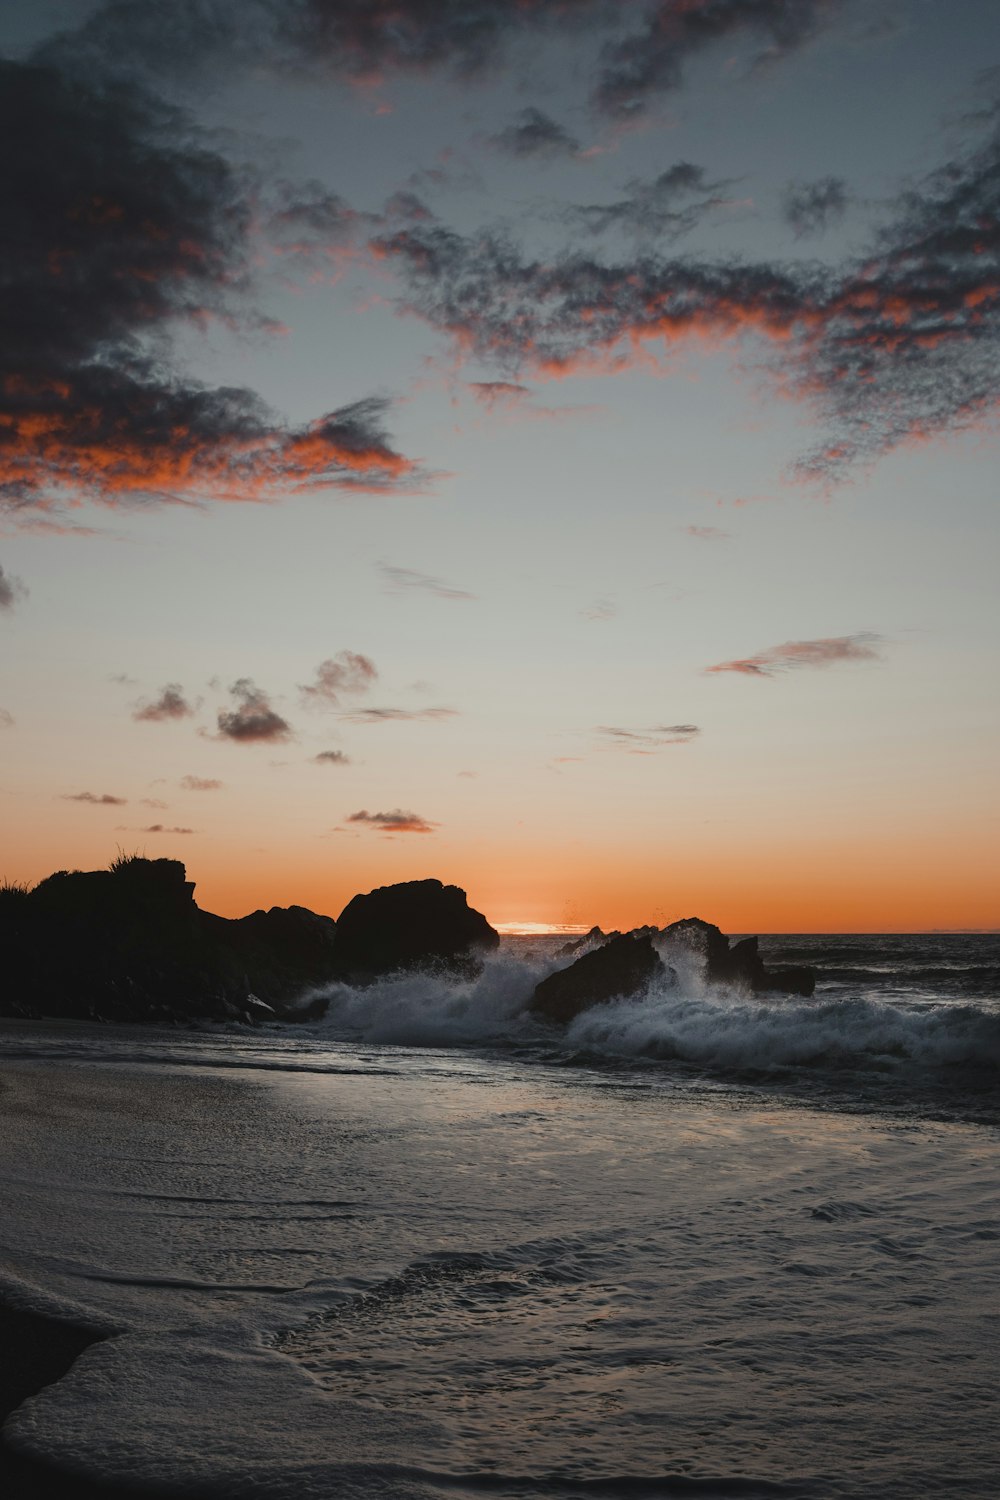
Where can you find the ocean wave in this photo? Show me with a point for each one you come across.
(731, 1033)
(691, 1022)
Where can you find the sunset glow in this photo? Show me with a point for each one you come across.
(555, 453)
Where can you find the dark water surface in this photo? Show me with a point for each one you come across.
(700, 1244)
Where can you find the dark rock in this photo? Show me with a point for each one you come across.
(739, 964)
(282, 951)
(129, 944)
(623, 966)
(589, 939)
(792, 979)
(416, 924)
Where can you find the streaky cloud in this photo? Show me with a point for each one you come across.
(646, 741)
(104, 799)
(331, 758)
(400, 579)
(200, 784)
(499, 393)
(403, 715)
(601, 609)
(793, 655)
(393, 822)
(655, 209)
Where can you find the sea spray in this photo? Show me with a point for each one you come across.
(681, 1018)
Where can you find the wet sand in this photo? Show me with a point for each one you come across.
(780, 1301)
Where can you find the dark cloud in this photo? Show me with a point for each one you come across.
(171, 704)
(6, 719)
(104, 800)
(811, 207)
(648, 42)
(794, 654)
(11, 589)
(651, 59)
(572, 312)
(909, 347)
(646, 741)
(893, 349)
(307, 214)
(310, 222)
(535, 134)
(121, 220)
(407, 715)
(655, 209)
(253, 721)
(345, 674)
(393, 822)
(399, 579)
(331, 758)
(200, 784)
(160, 828)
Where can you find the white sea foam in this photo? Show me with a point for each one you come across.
(729, 1031)
(496, 1280)
(684, 1019)
(436, 1009)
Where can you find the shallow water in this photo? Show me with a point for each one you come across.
(430, 1248)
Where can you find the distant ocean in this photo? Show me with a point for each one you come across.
(695, 1244)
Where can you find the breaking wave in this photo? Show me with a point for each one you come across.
(887, 1022)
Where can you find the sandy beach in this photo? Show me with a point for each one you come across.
(406, 1273)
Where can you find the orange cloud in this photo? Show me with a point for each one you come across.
(104, 800)
(795, 654)
(393, 822)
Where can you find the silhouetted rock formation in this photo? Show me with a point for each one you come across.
(417, 924)
(129, 944)
(621, 967)
(740, 964)
(587, 940)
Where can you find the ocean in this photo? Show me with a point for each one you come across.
(695, 1244)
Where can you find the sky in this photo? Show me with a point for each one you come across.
(548, 445)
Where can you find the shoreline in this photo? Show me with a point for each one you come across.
(670, 1239)
(39, 1350)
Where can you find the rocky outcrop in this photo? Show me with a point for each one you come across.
(622, 967)
(592, 939)
(417, 924)
(738, 963)
(130, 944)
